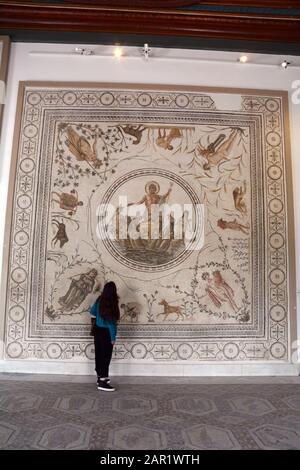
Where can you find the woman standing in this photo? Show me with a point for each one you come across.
(105, 315)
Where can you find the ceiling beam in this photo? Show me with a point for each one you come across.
(149, 21)
(183, 3)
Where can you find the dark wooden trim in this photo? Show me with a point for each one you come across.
(185, 3)
(184, 23)
(252, 3)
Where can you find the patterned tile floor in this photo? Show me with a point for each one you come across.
(145, 413)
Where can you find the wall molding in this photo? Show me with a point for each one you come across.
(189, 3)
(150, 21)
(186, 369)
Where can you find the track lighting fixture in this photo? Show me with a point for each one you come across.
(146, 51)
(285, 64)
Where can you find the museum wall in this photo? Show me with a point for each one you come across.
(172, 342)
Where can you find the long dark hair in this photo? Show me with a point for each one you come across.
(109, 302)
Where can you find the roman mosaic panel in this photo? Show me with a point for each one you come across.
(80, 146)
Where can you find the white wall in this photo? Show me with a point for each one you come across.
(166, 67)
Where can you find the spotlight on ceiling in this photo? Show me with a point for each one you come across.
(82, 51)
(285, 64)
(146, 51)
(118, 52)
(243, 59)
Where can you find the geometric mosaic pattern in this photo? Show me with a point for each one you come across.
(162, 416)
(80, 145)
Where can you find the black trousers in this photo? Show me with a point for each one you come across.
(103, 351)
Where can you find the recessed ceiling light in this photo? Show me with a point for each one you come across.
(118, 52)
(243, 59)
